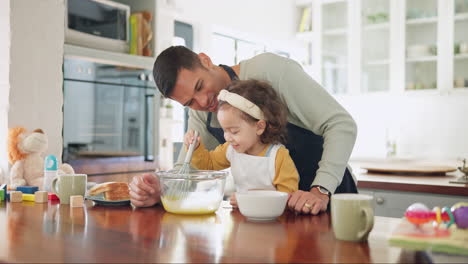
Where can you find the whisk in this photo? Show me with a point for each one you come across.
(185, 169)
(181, 188)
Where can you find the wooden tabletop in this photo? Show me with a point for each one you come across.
(57, 233)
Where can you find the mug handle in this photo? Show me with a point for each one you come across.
(54, 183)
(369, 217)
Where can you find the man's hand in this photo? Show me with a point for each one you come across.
(233, 200)
(312, 202)
(145, 190)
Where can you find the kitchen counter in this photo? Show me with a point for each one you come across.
(434, 184)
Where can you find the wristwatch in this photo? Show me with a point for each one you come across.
(322, 190)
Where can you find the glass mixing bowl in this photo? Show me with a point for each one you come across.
(198, 192)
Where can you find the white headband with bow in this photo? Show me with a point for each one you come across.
(242, 104)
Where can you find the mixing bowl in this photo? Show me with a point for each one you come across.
(198, 192)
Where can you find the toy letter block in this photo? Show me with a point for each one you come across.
(41, 197)
(16, 196)
(76, 201)
(27, 189)
(28, 197)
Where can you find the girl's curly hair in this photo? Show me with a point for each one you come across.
(267, 99)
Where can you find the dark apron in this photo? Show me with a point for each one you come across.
(305, 149)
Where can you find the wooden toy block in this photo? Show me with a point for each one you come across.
(16, 196)
(27, 189)
(28, 197)
(76, 201)
(41, 197)
(53, 196)
(2, 195)
(4, 188)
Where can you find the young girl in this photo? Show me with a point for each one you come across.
(253, 119)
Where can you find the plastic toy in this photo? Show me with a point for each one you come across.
(27, 189)
(28, 197)
(419, 213)
(52, 196)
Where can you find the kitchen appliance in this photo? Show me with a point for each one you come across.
(110, 111)
(100, 24)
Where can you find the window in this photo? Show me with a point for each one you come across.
(231, 50)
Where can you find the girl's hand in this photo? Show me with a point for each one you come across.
(189, 138)
(233, 200)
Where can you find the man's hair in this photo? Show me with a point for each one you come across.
(267, 99)
(169, 63)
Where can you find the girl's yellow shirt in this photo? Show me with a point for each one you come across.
(286, 175)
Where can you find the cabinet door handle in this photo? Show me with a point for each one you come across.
(379, 200)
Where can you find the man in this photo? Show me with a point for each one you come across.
(321, 134)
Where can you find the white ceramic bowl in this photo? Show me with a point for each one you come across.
(262, 205)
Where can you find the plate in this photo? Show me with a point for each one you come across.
(410, 167)
(99, 200)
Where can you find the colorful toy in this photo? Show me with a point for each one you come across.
(41, 197)
(16, 196)
(25, 153)
(53, 196)
(28, 197)
(27, 189)
(4, 188)
(419, 214)
(76, 201)
(2, 195)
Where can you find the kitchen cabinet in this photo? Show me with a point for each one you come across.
(390, 46)
(392, 203)
(375, 50)
(460, 60)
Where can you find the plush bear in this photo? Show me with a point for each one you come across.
(26, 155)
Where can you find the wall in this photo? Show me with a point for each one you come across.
(422, 125)
(36, 54)
(4, 83)
(243, 19)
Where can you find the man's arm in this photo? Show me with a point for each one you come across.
(312, 107)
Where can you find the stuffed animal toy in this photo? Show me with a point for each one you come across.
(26, 155)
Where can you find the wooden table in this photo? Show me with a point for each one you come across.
(57, 233)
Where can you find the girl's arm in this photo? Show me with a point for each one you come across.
(286, 175)
(203, 159)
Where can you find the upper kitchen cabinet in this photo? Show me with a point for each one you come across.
(334, 46)
(307, 30)
(397, 46)
(421, 44)
(375, 41)
(460, 75)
